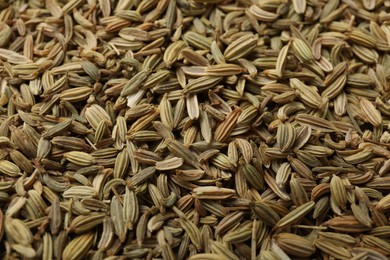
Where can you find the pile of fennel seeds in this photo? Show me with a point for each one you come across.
(194, 129)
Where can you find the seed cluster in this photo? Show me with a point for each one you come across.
(194, 129)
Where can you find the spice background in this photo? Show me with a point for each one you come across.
(195, 129)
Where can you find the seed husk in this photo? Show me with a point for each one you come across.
(80, 158)
(78, 247)
(295, 245)
(331, 249)
(213, 193)
(265, 213)
(295, 215)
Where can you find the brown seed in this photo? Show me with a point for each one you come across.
(265, 213)
(226, 127)
(295, 245)
(78, 247)
(295, 215)
(213, 193)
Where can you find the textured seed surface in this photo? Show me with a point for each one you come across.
(194, 129)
